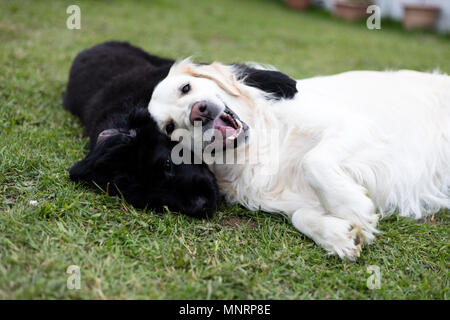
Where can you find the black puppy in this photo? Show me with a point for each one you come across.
(110, 86)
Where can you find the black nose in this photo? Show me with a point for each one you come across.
(200, 205)
(200, 209)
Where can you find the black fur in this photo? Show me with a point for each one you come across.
(109, 87)
(279, 85)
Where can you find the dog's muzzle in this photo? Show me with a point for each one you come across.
(220, 118)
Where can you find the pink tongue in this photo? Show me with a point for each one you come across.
(224, 128)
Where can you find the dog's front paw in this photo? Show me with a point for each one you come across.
(344, 239)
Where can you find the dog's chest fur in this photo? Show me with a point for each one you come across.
(267, 177)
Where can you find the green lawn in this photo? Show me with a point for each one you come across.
(126, 253)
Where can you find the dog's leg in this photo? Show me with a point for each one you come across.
(337, 191)
(336, 235)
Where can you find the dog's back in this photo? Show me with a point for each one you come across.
(93, 68)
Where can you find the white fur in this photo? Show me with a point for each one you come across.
(351, 147)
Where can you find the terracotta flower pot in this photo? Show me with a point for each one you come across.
(298, 4)
(350, 11)
(420, 16)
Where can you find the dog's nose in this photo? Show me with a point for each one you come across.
(199, 112)
(201, 206)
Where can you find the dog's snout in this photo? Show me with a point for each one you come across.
(200, 204)
(204, 111)
(200, 207)
(199, 112)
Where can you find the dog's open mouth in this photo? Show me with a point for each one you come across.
(230, 127)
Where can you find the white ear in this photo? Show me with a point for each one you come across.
(216, 72)
(180, 66)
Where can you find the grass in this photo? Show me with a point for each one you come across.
(126, 253)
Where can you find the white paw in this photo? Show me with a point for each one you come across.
(370, 232)
(360, 213)
(342, 238)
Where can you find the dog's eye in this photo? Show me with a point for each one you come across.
(186, 88)
(170, 127)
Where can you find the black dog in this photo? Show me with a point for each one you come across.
(110, 86)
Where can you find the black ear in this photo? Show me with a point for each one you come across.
(95, 172)
(82, 171)
(111, 163)
(279, 85)
(98, 164)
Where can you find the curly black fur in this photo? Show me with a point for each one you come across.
(109, 88)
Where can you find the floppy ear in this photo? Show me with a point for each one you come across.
(279, 85)
(93, 176)
(107, 157)
(216, 72)
(95, 172)
(82, 171)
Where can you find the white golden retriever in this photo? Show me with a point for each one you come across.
(350, 147)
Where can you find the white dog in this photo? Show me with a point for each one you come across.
(350, 147)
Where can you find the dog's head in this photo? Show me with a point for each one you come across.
(208, 94)
(135, 161)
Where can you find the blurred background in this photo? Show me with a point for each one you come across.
(434, 14)
(316, 40)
